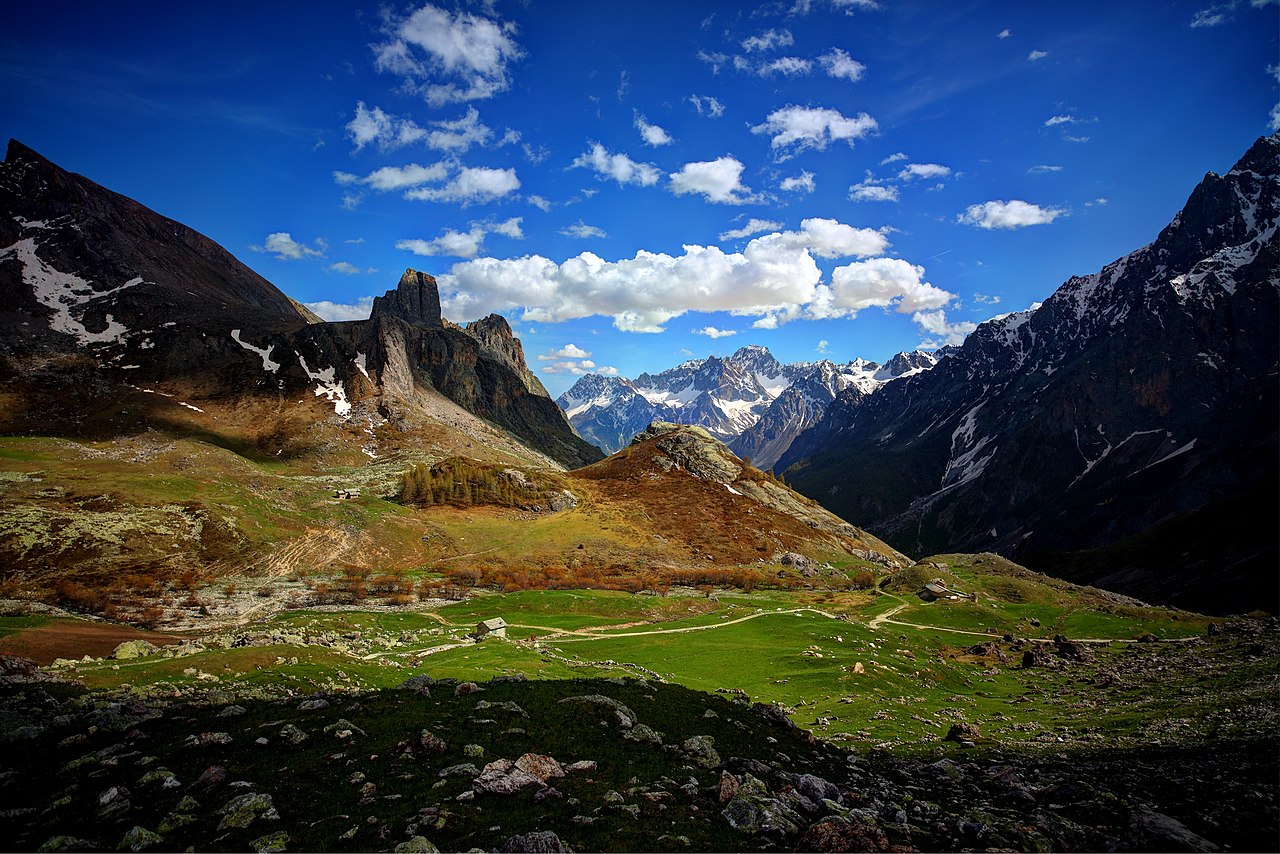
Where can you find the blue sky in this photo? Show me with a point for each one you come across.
(633, 184)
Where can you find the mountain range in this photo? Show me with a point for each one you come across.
(1123, 434)
(749, 400)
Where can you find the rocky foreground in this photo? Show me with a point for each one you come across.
(606, 764)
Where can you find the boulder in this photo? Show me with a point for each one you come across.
(1153, 831)
(134, 649)
(963, 732)
(700, 749)
(542, 767)
(139, 839)
(416, 845)
(625, 717)
(431, 742)
(502, 777)
(271, 843)
(292, 736)
(244, 810)
(537, 842)
(843, 834)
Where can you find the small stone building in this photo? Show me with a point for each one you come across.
(495, 628)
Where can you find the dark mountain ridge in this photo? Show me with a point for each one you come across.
(1123, 434)
(102, 298)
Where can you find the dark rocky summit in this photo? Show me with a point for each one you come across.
(416, 299)
(1123, 434)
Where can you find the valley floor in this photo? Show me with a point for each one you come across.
(1029, 717)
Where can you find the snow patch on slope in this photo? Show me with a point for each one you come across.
(65, 294)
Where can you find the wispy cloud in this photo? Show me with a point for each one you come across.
(462, 244)
(582, 231)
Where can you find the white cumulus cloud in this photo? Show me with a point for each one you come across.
(871, 190)
(837, 63)
(568, 351)
(472, 185)
(652, 134)
(336, 311)
(774, 278)
(449, 57)
(718, 180)
(935, 323)
(713, 332)
(619, 167)
(794, 128)
(1011, 214)
(282, 245)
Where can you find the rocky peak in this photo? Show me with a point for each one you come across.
(497, 342)
(416, 299)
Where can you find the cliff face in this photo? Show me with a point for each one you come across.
(103, 301)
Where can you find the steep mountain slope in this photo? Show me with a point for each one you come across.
(749, 399)
(1122, 434)
(114, 319)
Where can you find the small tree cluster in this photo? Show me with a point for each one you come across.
(459, 482)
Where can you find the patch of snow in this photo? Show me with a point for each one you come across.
(268, 364)
(328, 387)
(731, 489)
(64, 293)
(360, 365)
(189, 406)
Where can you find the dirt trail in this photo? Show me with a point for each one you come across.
(579, 635)
(317, 547)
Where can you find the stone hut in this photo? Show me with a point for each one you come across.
(495, 628)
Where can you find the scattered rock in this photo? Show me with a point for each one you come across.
(700, 749)
(431, 742)
(643, 734)
(65, 843)
(292, 736)
(465, 689)
(139, 839)
(464, 770)
(538, 842)
(242, 811)
(502, 777)
(134, 649)
(843, 834)
(312, 704)
(963, 732)
(1153, 831)
(542, 767)
(625, 717)
(416, 845)
(271, 843)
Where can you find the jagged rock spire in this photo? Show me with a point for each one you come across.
(416, 299)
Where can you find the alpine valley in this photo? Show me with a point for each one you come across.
(274, 583)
